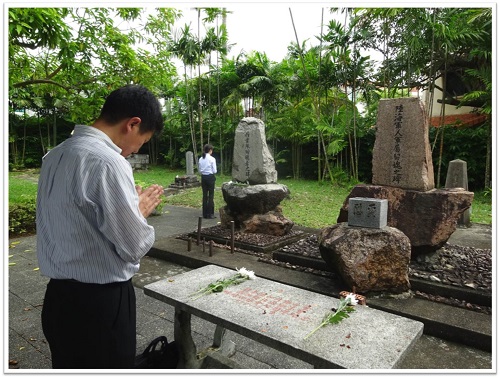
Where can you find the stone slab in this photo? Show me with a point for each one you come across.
(280, 316)
(367, 212)
(402, 154)
(252, 160)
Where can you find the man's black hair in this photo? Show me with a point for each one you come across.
(133, 101)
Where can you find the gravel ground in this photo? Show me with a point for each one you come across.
(451, 265)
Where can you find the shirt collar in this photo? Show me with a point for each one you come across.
(84, 130)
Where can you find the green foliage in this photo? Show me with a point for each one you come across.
(467, 144)
(319, 103)
(311, 203)
(22, 186)
(22, 217)
(155, 175)
(309, 199)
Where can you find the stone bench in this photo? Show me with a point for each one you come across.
(280, 316)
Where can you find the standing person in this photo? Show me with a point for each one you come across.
(92, 232)
(208, 168)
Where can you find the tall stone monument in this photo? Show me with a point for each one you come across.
(403, 175)
(253, 197)
(402, 153)
(252, 160)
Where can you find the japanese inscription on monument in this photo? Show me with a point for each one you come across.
(253, 163)
(397, 168)
(401, 154)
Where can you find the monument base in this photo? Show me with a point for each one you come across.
(185, 182)
(427, 218)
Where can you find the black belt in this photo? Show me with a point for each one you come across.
(73, 281)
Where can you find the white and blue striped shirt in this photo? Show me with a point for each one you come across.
(89, 227)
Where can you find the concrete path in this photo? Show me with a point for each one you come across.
(26, 288)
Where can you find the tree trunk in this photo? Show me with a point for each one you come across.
(24, 138)
(441, 126)
(487, 178)
(190, 118)
(54, 130)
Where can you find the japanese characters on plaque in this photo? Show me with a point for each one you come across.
(367, 212)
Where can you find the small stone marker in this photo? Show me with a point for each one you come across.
(189, 163)
(252, 160)
(456, 177)
(138, 161)
(401, 154)
(367, 212)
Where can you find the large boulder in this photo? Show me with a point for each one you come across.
(271, 223)
(368, 259)
(253, 199)
(255, 208)
(427, 218)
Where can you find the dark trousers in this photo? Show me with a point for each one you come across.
(90, 326)
(208, 187)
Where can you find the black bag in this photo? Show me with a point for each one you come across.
(159, 354)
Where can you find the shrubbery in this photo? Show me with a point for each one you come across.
(22, 218)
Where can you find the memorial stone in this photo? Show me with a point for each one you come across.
(367, 212)
(189, 180)
(189, 163)
(401, 153)
(456, 177)
(252, 160)
(138, 161)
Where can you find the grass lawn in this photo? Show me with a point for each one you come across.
(311, 204)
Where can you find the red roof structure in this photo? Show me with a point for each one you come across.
(459, 120)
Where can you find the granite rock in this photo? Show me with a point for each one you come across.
(368, 259)
(427, 218)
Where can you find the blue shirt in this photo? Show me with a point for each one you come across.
(89, 227)
(207, 165)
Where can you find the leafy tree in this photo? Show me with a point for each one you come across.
(75, 56)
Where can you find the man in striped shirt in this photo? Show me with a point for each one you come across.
(92, 232)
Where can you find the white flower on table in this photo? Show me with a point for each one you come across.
(342, 312)
(351, 299)
(216, 287)
(246, 273)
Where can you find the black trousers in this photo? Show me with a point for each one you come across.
(208, 187)
(90, 326)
